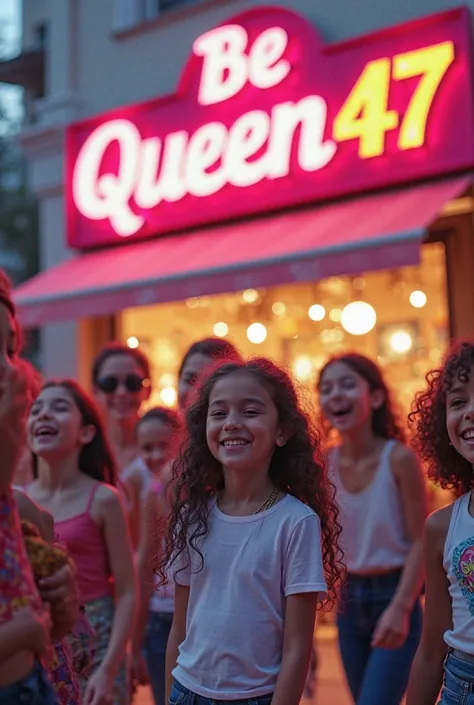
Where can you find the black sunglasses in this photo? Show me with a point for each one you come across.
(132, 383)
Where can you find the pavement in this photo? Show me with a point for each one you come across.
(330, 687)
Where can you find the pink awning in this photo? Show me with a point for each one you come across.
(380, 231)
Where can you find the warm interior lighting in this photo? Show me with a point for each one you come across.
(221, 329)
(279, 308)
(335, 315)
(168, 396)
(316, 312)
(250, 296)
(418, 299)
(358, 318)
(133, 342)
(303, 368)
(256, 333)
(401, 342)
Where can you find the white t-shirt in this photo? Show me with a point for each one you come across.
(234, 636)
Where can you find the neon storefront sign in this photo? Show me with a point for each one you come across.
(266, 117)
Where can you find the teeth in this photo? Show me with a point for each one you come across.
(468, 435)
(235, 443)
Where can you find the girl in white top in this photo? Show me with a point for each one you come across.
(381, 494)
(443, 417)
(252, 541)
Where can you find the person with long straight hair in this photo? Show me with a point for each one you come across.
(76, 474)
(382, 497)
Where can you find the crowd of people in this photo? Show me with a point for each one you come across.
(192, 549)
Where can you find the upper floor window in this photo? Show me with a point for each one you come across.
(129, 13)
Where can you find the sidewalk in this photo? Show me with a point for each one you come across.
(330, 686)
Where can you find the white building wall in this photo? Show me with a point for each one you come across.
(91, 69)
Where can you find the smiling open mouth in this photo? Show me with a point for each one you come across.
(234, 444)
(45, 432)
(468, 435)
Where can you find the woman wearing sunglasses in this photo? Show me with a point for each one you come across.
(121, 382)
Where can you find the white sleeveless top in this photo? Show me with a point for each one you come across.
(374, 537)
(458, 562)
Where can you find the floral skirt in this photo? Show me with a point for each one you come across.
(100, 614)
(62, 675)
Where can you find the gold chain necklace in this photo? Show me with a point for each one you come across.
(267, 504)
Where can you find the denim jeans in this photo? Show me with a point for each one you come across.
(33, 689)
(156, 639)
(182, 696)
(375, 676)
(458, 682)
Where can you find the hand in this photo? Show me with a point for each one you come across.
(139, 670)
(36, 630)
(60, 591)
(392, 628)
(99, 689)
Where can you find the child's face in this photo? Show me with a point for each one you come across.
(55, 426)
(345, 398)
(242, 423)
(154, 442)
(460, 416)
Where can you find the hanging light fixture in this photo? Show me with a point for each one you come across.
(358, 318)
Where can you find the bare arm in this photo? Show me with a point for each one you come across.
(427, 670)
(148, 549)
(112, 514)
(29, 511)
(392, 629)
(25, 632)
(13, 405)
(300, 614)
(177, 634)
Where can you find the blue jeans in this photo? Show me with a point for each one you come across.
(458, 682)
(33, 689)
(182, 696)
(375, 676)
(156, 640)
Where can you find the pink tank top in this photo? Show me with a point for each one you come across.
(86, 544)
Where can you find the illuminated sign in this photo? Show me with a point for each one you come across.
(267, 117)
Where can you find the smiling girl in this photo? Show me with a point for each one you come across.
(73, 464)
(443, 418)
(252, 542)
(381, 493)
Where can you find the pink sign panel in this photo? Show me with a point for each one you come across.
(266, 116)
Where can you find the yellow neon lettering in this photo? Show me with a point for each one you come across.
(365, 115)
(431, 63)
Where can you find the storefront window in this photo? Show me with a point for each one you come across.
(399, 317)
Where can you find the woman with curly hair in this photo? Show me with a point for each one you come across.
(443, 417)
(252, 541)
(381, 493)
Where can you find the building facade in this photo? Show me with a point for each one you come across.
(84, 59)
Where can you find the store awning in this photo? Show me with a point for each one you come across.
(373, 232)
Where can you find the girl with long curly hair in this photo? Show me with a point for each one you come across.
(252, 541)
(443, 418)
(381, 493)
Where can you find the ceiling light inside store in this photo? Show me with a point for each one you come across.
(418, 299)
(221, 329)
(279, 308)
(133, 342)
(335, 315)
(256, 333)
(192, 303)
(358, 318)
(168, 396)
(316, 312)
(251, 296)
(401, 342)
(303, 368)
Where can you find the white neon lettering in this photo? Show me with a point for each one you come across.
(168, 185)
(224, 68)
(314, 152)
(205, 150)
(100, 196)
(247, 136)
(267, 68)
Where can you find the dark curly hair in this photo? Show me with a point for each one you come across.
(213, 348)
(385, 419)
(96, 459)
(445, 466)
(297, 468)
